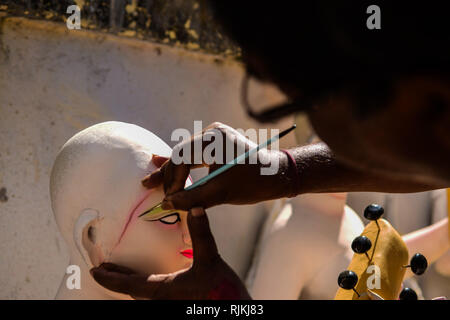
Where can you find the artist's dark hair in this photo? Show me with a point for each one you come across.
(322, 46)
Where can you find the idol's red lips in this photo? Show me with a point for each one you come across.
(189, 253)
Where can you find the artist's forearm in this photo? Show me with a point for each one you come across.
(319, 171)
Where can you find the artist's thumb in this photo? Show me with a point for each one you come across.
(203, 243)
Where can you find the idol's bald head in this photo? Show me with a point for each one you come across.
(100, 168)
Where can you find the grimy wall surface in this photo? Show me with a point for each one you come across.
(55, 82)
(184, 23)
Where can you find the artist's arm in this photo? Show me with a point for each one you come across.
(319, 171)
(316, 166)
(432, 241)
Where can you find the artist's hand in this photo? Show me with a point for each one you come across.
(208, 278)
(242, 184)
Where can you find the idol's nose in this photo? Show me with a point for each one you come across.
(187, 238)
(185, 234)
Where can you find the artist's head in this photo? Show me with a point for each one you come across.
(97, 195)
(379, 98)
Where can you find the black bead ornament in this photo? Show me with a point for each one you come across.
(418, 264)
(408, 294)
(347, 280)
(361, 244)
(373, 212)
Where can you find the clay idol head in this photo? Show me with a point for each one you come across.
(97, 196)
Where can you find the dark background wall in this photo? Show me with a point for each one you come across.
(178, 22)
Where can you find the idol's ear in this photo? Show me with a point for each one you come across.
(85, 237)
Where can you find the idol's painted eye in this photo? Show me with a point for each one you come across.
(170, 218)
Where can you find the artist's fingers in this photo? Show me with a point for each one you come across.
(203, 243)
(159, 160)
(131, 284)
(207, 195)
(159, 176)
(440, 298)
(153, 180)
(175, 176)
(188, 155)
(165, 277)
(156, 178)
(116, 268)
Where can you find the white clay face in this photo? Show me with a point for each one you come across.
(162, 245)
(97, 195)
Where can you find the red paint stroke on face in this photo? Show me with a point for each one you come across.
(134, 213)
(189, 253)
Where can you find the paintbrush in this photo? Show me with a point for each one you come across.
(157, 209)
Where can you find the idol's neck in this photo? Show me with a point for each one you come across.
(331, 204)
